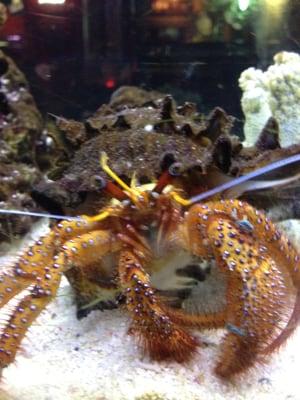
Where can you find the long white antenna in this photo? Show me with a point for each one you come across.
(241, 179)
(37, 214)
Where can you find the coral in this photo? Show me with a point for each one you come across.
(276, 93)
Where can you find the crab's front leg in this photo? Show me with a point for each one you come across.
(160, 337)
(33, 264)
(40, 269)
(259, 286)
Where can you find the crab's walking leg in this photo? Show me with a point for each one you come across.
(258, 281)
(22, 317)
(213, 320)
(80, 250)
(160, 336)
(257, 300)
(276, 245)
(38, 258)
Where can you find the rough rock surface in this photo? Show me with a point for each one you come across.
(20, 126)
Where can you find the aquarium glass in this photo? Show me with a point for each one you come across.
(117, 117)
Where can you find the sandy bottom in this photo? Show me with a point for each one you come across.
(63, 358)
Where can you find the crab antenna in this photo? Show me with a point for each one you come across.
(132, 193)
(37, 214)
(237, 181)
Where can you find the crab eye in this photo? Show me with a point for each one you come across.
(97, 182)
(176, 169)
(167, 160)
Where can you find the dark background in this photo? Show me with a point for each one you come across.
(77, 53)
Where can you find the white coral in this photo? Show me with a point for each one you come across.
(275, 92)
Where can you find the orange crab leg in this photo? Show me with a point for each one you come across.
(256, 298)
(259, 285)
(159, 335)
(204, 321)
(38, 257)
(274, 243)
(21, 318)
(26, 270)
(80, 250)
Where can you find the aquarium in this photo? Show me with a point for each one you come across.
(149, 199)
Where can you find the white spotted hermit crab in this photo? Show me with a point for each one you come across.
(121, 253)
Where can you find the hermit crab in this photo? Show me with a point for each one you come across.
(123, 253)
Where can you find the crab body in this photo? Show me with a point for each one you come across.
(125, 254)
(144, 250)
